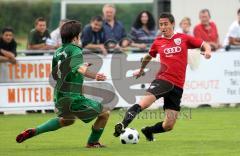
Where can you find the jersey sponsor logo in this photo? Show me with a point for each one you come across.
(177, 41)
(172, 50)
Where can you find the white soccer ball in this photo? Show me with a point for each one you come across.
(130, 136)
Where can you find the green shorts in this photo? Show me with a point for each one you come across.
(70, 107)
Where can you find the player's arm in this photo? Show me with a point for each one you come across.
(87, 73)
(145, 62)
(207, 50)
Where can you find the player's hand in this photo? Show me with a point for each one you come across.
(139, 73)
(87, 64)
(100, 77)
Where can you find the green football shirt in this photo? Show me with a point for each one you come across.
(65, 64)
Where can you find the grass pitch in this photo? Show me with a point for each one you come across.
(204, 131)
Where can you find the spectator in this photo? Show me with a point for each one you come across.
(114, 29)
(93, 36)
(207, 30)
(38, 37)
(8, 46)
(143, 29)
(55, 34)
(185, 26)
(233, 35)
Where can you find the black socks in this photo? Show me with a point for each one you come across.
(157, 128)
(131, 114)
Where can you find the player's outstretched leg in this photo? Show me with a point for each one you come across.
(97, 130)
(161, 127)
(132, 112)
(50, 125)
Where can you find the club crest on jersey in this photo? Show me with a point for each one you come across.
(177, 41)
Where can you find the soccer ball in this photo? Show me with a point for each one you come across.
(130, 136)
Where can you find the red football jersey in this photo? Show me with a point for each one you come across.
(173, 56)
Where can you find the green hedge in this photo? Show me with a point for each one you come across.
(21, 14)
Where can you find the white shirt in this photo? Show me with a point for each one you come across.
(179, 30)
(234, 31)
(56, 37)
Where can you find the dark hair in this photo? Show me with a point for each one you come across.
(97, 18)
(238, 12)
(69, 30)
(7, 29)
(151, 23)
(39, 19)
(168, 16)
(205, 10)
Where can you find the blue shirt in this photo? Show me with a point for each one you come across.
(89, 36)
(141, 36)
(116, 33)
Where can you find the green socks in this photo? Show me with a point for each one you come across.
(50, 125)
(95, 135)
(54, 124)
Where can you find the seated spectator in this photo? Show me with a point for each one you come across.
(233, 35)
(39, 36)
(185, 26)
(207, 30)
(143, 29)
(55, 34)
(93, 36)
(8, 46)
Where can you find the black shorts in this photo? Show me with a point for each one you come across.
(172, 94)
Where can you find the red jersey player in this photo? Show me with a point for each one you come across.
(172, 48)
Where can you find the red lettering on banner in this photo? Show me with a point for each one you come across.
(48, 70)
(48, 94)
(41, 95)
(23, 94)
(23, 70)
(196, 98)
(36, 95)
(30, 95)
(30, 70)
(17, 71)
(18, 93)
(41, 73)
(10, 71)
(204, 84)
(35, 70)
(11, 96)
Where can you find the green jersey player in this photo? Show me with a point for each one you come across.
(69, 70)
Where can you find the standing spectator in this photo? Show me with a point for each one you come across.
(55, 34)
(8, 46)
(143, 29)
(207, 30)
(233, 36)
(185, 26)
(93, 36)
(37, 39)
